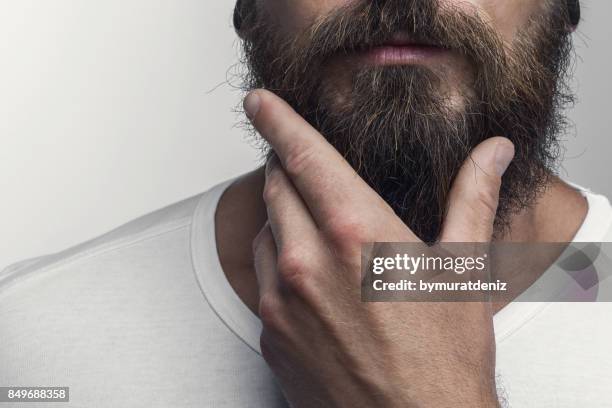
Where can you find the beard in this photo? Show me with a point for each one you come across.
(405, 129)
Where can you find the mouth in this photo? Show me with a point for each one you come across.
(402, 49)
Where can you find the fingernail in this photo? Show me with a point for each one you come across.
(251, 105)
(504, 153)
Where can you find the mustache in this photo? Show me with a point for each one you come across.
(366, 24)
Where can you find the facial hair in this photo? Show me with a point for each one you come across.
(397, 125)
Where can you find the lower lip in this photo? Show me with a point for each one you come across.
(402, 54)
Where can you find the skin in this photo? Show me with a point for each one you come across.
(277, 227)
(505, 16)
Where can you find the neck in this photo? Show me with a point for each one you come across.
(555, 217)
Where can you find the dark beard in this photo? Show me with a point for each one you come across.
(395, 125)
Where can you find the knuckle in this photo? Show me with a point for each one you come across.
(348, 230)
(271, 189)
(292, 269)
(297, 159)
(270, 309)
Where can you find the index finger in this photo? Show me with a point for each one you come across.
(324, 179)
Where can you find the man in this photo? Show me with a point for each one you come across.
(383, 121)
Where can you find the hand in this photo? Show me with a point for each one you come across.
(329, 349)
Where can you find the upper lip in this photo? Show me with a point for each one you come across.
(398, 39)
(404, 39)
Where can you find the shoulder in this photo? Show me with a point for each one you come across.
(597, 226)
(149, 229)
(73, 317)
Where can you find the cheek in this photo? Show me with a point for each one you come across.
(295, 15)
(506, 17)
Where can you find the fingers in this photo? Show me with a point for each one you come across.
(326, 182)
(474, 196)
(264, 251)
(288, 216)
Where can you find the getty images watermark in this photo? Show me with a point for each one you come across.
(500, 272)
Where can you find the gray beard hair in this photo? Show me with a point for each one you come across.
(398, 131)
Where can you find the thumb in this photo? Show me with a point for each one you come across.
(474, 197)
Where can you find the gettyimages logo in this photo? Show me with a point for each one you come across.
(474, 272)
(414, 264)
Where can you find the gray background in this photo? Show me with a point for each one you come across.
(107, 113)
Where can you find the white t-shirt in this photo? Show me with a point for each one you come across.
(144, 317)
